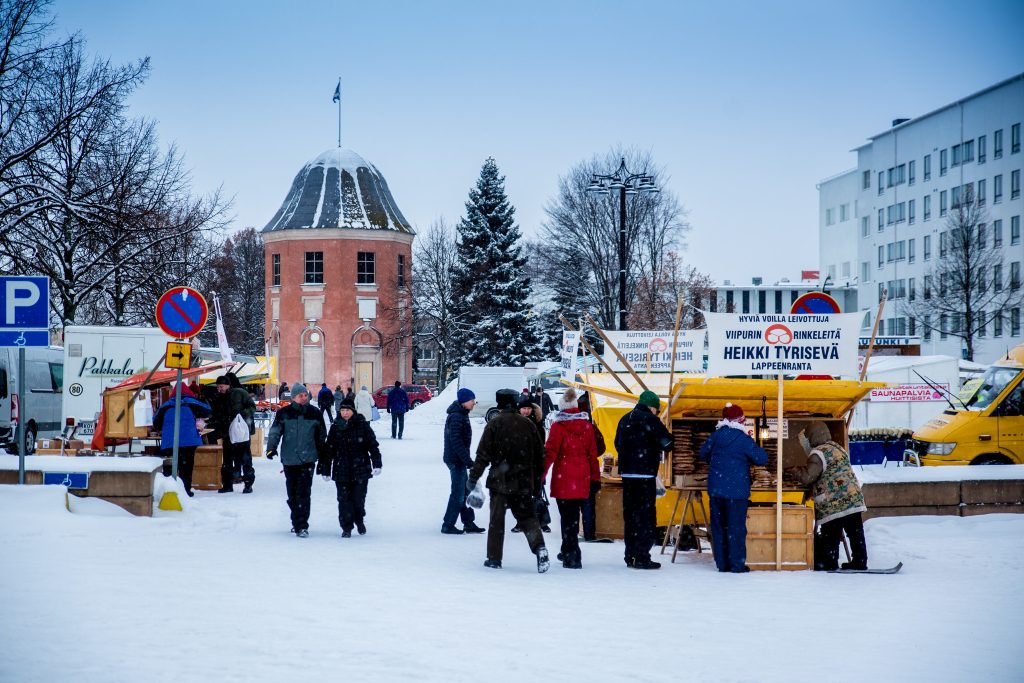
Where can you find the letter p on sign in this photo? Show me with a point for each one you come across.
(24, 302)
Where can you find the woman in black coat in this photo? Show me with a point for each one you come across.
(351, 459)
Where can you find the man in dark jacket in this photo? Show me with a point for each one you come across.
(731, 452)
(231, 402)
(510, 446)
(640, 440)
(351, 458)
(398, 406)
(541, 398)
(325, 401)
(299, 429)
(458, 434)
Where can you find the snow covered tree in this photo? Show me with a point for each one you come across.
(490, 284)
(433, 269)
(236, 275)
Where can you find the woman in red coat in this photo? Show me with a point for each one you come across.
(572, 450)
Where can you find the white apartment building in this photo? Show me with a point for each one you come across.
(886, 220)
(777, 297)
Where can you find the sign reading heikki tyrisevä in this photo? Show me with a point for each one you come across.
(570, 348)
(773, 344)
(651, 350)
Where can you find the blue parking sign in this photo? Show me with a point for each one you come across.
(24, 302)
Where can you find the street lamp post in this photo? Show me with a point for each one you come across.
(627, 184)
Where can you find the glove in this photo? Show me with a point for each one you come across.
(375, 472)
(595, 486)
(271, 453)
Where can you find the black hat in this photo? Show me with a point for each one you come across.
(398, 382)
(223, 380)
(347, 404)
(525, 402)
(506, 398)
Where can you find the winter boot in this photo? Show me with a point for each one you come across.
(492, 564)
(543, 564)
(454, 530)
(226, 489)
(646, 564)
(472, 528)
(360, 527)
(346, 534)
(302, 533)
(248, 488)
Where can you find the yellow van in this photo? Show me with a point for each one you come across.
(987, 426)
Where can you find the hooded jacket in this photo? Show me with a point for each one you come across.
(572, 451)
(458, 435)
(188, 435)
(351, 451)
(299, 429)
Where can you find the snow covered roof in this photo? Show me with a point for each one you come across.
(339, 189)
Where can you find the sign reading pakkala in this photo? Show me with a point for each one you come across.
(766, 344)
(651, 350)
(570, 347)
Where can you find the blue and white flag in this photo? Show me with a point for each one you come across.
(337, 93)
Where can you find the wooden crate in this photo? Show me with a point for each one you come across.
(206, 471)
(608, 509)
(256, 442)
(115, 404)
(797, 537)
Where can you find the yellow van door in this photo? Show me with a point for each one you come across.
(1010, 417)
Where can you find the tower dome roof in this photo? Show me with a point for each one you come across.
(339, 189)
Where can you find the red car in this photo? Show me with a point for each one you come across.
(417, 394)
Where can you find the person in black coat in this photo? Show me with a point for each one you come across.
(731, 452)
(640, 440)
(351, 459)
(458, 435)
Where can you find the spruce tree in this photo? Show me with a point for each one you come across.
(491, 288)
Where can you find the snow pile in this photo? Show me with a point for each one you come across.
(162, 485)
(434, 411)
(99, 463)
(879, 474)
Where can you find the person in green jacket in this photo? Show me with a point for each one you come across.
(233, 401)
(299, 431)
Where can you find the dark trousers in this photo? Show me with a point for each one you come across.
(325, 409)
(590, 517)
(186, 459)
(525, 512)
(298, 481)
(729, 532)
(237, 463)
(829, 536)
(397, 423)
(457, 498)
(351, 502)
(639, 517)
(569, 512)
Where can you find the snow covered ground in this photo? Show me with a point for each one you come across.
(224, 592)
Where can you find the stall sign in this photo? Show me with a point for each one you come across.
(773, 428)
(771, 344)
(910, 393)
(651, 350)
(570, 347)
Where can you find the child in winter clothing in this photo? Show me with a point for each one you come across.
(351, 459)
(731, 452)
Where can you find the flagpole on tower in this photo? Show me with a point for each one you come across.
(337, 98)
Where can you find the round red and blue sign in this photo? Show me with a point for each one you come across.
(181, 312)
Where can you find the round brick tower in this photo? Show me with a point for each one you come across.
(338, 271)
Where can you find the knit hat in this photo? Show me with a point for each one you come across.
(464, 395)
(650, 399)
(525, 402)
(223, 380)
(568, 400)
(817, 433)
(347, 404)
(186, 391)
(297, 389)
(733, 413)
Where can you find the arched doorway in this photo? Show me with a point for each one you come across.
(366, 358)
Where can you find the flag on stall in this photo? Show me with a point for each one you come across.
(222, 338)
(337, 93)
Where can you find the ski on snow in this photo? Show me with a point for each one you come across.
(890, 570)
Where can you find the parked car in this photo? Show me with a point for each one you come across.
(417, 394)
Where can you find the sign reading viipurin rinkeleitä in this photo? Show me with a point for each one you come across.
(746, 344)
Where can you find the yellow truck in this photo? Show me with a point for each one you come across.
(986, 427)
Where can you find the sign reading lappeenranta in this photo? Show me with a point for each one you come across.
(651, 350)
(570, 348)
(772, 344)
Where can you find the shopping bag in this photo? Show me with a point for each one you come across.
(475, 499)
(543, 513)
(238, 430)
(374, 414)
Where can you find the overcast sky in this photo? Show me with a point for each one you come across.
(747, 104)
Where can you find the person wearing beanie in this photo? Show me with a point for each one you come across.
(640, 440)
(299, 431)
(233, 401)
(731, 452)
(590, 504)
(458, 434)
(188, 435)
(398, 406)
(510, 447)
(531, 411)
(571, 455)
(351, 457)
(838, 500)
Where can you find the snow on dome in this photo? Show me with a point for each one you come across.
(339, 189)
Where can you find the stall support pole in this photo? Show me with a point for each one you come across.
(22, 414)
(778, 484)
(608, 343)
(177, 423)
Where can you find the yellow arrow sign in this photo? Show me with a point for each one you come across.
(179, 356)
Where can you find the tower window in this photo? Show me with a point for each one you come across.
(365, 268)
(314, 268)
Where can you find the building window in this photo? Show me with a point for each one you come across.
(365, 268)
(314, 268)
(865, 226)
(927, 288)
(943, 239)
(1014, 322)
(911, 172)
(912, 289)
(997, 144)
(1014, 138)
(997, 324)
(844, 270)
(910, 212)
(943, 162)
(881, 256)
(1014, 184)
(866, 180)
(910, 251)
(927, 166)
(997, 233)
(275, 270)
(778, 301)
(746, 301)
(881, 293)
(942, 203)
(927, 328)
(1014, 230)
(844, 213)
(997, 277)
(927, 248)
(881, 220)
(830, 216)
(762, 301)
(1015, 275)
(982, 279)
(881, 182)
(942, 325)
(981, 149)
(730, 306)
(401, 270)
(927, 206)
(865, 271)
(981, 192)
(956, 193)
(968, 152)
(997, 189)
(982, 237)
(956, 156)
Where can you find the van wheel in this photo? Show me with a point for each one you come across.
(416, 404)
(30, 440)
(491, 414)
(991, 460)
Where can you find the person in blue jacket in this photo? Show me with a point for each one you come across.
(458, 434)
(188, 433)
(731, 452)
(398, 406)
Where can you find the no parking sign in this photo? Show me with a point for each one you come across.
(181, 312)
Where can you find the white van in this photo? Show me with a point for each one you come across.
(486, 381)
(41, 407)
